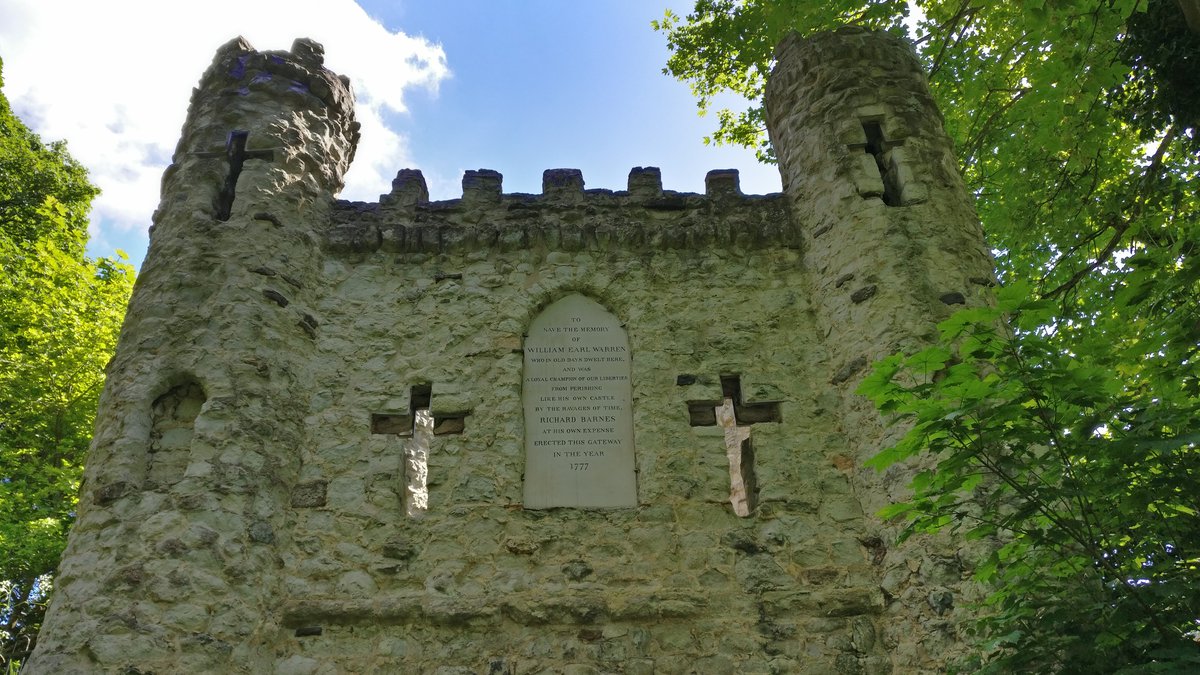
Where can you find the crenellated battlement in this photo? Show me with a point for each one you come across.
(562, 185)
(565, 216)
(269, 106)
(238, 70)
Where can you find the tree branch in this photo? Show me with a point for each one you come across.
(963, 13)
(1118, 225)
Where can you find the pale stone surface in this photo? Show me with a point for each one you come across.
(239, 515)
(735, 439)
(416, 465)
(578, 414)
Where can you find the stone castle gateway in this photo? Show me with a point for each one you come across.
(585, 431)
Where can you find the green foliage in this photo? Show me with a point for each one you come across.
(1164, 56)
(728, 45)
(1089, 494)
(1062, 424)
(59, 317)
(1010, 79)
(30, 173)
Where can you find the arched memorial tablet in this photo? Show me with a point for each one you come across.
(578, 413)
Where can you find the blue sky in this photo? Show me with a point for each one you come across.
(443, 86)
(543, 84)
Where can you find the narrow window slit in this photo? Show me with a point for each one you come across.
(236, 154)
(879, 148)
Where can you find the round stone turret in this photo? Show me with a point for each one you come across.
(893, 245)
(197, 445)
(891, 231)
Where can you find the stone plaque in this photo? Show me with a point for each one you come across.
(578, 415)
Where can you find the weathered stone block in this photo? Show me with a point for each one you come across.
(482, 186)
(722, 183)
(645, 182)
(311, 494)
(408, 190)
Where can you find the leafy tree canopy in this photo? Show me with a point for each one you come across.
(59, 317)
(32, 171)
(1075, 426)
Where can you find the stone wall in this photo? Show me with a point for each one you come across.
(245, 503)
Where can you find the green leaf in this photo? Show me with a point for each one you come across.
(894, 510)
(60, 313)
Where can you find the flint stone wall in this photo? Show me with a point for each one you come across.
(264, 345)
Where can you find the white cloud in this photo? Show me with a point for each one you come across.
(380, 154)
(113, 78)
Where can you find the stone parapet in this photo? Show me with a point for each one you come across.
(564, 217)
